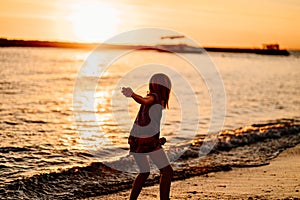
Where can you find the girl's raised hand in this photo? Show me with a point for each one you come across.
(127, 91)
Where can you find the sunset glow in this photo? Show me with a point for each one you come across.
(211, 23)
(93, 22)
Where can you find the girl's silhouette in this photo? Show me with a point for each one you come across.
(144, 139)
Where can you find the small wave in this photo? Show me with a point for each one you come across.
(95, 179)
(229, 139)
(13, 149)
(34, 121)
(11, 123)
(3, 166)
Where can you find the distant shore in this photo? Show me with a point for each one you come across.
(36, 43)
(180, 48)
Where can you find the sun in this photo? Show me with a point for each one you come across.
(94, 22)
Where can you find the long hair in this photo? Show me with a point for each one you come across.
(161, 85)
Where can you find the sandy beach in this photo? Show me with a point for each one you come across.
(278, 180)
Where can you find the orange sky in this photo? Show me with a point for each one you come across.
(209, 22)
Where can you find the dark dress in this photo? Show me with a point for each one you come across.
(144, 135)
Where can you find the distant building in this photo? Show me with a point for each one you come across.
(271, 46)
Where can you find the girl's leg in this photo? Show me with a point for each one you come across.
(144, 167)
(166, 172)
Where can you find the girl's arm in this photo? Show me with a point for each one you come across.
(139, 99)
(143, 100)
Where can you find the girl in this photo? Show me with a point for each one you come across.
(144, 138)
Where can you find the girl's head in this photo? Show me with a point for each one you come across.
(161, 85)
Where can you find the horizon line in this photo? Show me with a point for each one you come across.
(80, 44)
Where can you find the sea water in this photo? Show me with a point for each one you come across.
(40, 133)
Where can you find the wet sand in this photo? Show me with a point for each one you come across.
(278, 180)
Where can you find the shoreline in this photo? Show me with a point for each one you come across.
(249, 146)
(279, 179)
